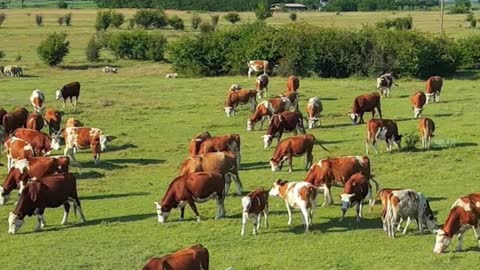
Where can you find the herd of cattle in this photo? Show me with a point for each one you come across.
(214, 162)
(11, 70)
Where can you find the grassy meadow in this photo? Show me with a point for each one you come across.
(153, 119)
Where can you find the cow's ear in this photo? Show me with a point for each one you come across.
(110, 138)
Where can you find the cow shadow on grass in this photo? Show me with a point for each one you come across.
(339, 125)
(114, 148)
(270, 213)
(113, 196)
(89, 175)
(254, 165)
(334, 225)
(83, 66)
(120, 219)
(114, 164)
(443, 114)
(440, 147)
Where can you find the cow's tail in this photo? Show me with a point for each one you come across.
(321, 145)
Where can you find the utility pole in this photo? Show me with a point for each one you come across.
(441, 16)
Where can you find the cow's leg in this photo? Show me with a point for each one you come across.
(262, 120)
(290, 161)
(289, 210)
(409, 221)
(194, 209)
(460, 241)
(256, 223)
(64, 103)
(249, 72)
(244, 222)
(327, 196)
(228, 181)
(220, 207)
(305, 217)
(359, 210)
(476, 231)
(182, 212)
(238, 183)
(40, 219)
(66, 207)
(265, 214)
(309, 160)
(374, 144)
(76, 101)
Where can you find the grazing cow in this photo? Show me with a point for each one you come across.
(355, 191)
(297, 195)
(335, 171)
(72, 122)
(109, 69)
(35, 121)
(224, 163)
(385, 83)
(196, 142)
(69, 91)
(433, 88)
(266, 109)
(171, 75)
(407, 204)
(365, 103)
(293, 97)
(53, 118)
(257, 66)
(254, 205)
(223, 143)
(384, 194)
(17, 149)
(382, 129)
(15, 119)
(83, 138)
(190, 188)
(31, 168)
(314, 108)
(37, 99)
(418, 99)
(261, 85)
(42, 143)
(426, 127)
(13, 71)
(47, 192)
(283, 122)
(192, 258)
(243, 96)
(295, 146)
(293, 83)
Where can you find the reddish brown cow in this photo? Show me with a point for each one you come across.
(293, 83)
(2, 113)
(191, 188)
(223, 143)
(31, 168)
(35, 121)
(433, 88)
(335, 171)
(69, 91)
(41, 142)
(261, 85)
(355, 191)
(192, 258)
(15, 119)
(242, 96)
(314, 108)
(47, 192)
(83, 138)
(254, 205)
(283, 122)
(196, 142)
(266, 109)
(363, 104)
(53, 118)
(418, 99)
(382, 129)
(295, 146)
(426, 127)
(17, 149)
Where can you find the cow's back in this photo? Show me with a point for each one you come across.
(203, 184)
(434, 84)
(418, 99)
(366, 103)
(71, 89)
(193, 258)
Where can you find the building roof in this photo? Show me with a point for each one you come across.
(290, 5)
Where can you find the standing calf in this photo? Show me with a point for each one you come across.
(355, 191)
(426, 127)
(254, 205)
(418, 99)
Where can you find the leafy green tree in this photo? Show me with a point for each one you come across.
(53, 49)
(262, 12)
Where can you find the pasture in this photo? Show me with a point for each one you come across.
(153, 119)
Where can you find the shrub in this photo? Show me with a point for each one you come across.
(411, 139)
(60, 21)
(68, 19)
(116, 18)
(103, 21)
(137, 45)
(53, 49)
(93, 50)
(131, 23)
(18, 58)
(2, 18)
(293, 16)
(402, 23)
(2, 55)
(473, 23)
(176, 22)
(196, 21)
(262, 12)
(469, 17)
(232, 17)
(206, 27)
(62, 4)
(214, 20)
(151, 18)
(469, 48)
(39, 20)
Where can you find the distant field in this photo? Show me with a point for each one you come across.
(154, 118)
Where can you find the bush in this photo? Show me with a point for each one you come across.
(206, 27)
(293, 16)
(93, 50)
(473, 23)
(103, 21)
(2, 18)
(18, 58)
(262, 12)
(214, 20)
(411, 139)
(60, 21)
(232, 17)
(54, 48)
(176, 22)
(402, 23)
(470, 51)
(469, 17)
(196, 21)
(137, 45)
(62, 4)
(131, 23)
(2, 55)
(68, 19)
(39, 20)
(116, 18)
(150, 18)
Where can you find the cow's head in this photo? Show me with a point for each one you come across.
(14, 223)
(250, 125)
(58, 94)
(312, 122)
(354, 117)
(267, 140)
(162, 213)
(275, 190)
(346, 201)
(417, 112)
(442, 241)
(230, 111)
(277, 165)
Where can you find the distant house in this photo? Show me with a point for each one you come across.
(288, 6)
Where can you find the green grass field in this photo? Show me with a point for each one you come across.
(154, 118)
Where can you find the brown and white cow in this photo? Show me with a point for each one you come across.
(418, 100)
(266, 109)
(254, 205)
(293, 97)
(383, 194)
(84, 138)
(382, 129)
(293, 83)
(365, 103)
(230, 142)
(257, 66)
(314, 108)
(53, 118)
(336, 171)
(47, 192)
(35, 121)
(17, 149)
(385, 83)
(37, 99)
(242, 96)
(406, 204)
(196, 143)
(283, 122)
(433, 88)
(355, 191)
(295, 146)
(28, 169)
(191, 258)
(261, 85)
(300, 195)
(42, 143)
(224, 163)
(426, 127)
(15, 119)
(69, 91)
(190, 188)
